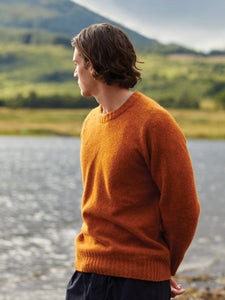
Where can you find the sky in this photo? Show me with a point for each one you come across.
(196, 24)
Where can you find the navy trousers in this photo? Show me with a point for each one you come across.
(90, 286)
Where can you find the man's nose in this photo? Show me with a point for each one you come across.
(75, 74)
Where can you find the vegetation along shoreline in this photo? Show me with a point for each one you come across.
(196, 124)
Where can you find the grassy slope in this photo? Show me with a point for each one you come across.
(24, 68)
(175, 75)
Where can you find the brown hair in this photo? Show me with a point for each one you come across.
(111, 53)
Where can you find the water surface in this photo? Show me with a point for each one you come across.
(40, 194)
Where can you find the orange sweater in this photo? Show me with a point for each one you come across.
(139, 206)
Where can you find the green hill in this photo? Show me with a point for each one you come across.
(59, 17)
(34, 20)
(36, 67)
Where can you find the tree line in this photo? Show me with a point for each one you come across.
(33, 100)
(186, 100)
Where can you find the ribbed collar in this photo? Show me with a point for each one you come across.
(116, 113)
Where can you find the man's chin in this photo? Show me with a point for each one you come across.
(85, 94)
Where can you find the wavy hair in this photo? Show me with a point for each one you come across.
(111, 54)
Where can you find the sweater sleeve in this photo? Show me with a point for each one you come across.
(172, 172)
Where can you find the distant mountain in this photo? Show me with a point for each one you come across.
(57, 16)
(57, 21)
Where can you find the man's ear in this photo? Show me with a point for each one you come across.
(93, 72)
(91, 68)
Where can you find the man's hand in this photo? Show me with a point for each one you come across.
(175, 288)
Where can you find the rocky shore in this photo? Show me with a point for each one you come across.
(202, 287)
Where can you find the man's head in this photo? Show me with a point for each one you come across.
(111, 54)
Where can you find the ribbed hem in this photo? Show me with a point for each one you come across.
(153, 269)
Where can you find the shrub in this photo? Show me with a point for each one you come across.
(187, 100)
(167, 101)
(220, 99)
(54, 101)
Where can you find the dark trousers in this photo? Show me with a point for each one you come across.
(90, 286)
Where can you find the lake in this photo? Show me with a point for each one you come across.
(40, 198)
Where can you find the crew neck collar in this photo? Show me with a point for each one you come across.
(120, 104)
(115, 113)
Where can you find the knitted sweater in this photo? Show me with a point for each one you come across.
(139, 206)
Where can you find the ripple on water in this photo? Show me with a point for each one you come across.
(40, 196)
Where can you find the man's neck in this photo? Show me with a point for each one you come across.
(112, 97)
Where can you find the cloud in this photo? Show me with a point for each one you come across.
(199, 24)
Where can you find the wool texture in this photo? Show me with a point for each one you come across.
(139, 207)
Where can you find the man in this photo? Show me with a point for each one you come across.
(139, 206)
